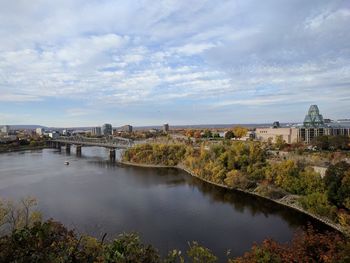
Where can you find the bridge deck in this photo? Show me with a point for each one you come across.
(108, 142)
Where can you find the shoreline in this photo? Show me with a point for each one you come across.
(23, 149)
(325, 221)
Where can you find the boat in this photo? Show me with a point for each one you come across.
(66, 163)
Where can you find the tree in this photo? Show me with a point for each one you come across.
(279, 142)
(128, 248)
(321, 142)
(229, 135)
(337, 180)
(200, 254)
(216, 135)
(239, 131)
(208, 134)
(306, 246)
(189, 133)
(339, 142)
(318, 203)
(197, 134)
(17, 215)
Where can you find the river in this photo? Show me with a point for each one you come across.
(167, 207)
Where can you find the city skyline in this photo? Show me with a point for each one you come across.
(85, 63)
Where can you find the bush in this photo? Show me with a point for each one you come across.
(270, 191)
(317, 203)
(306, 246)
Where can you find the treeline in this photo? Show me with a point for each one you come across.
(52, 242)
(235, 132)
(22, 144)
(247, 166)
(156, 153)
(34, 241)
(327, 142)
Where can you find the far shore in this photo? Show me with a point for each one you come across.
(23, 148)
(325, 221)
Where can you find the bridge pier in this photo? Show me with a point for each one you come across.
(67, 148)
(112, 155)
(58, 146)
(78, 150)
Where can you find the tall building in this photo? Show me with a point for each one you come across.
(126, 128)
(5, 129)
(313, 119)
(96, 131)
(107, 129)
(39, 131)
(166, 127)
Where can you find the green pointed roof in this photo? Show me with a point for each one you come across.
(313, 119)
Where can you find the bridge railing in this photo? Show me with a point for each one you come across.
(108, 141)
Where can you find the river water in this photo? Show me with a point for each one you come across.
(167, 207)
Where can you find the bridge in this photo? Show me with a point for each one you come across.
(108, 142)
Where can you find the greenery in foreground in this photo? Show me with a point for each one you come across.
(27, 239)
(247, 166)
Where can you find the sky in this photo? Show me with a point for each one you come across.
(145, 62)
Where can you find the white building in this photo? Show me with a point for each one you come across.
(5, 129)
(54, 135)
(39, 131)
(66, 132)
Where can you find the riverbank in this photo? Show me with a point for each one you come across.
(23, 148)
(283, 201)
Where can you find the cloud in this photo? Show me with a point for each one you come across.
(17, 98)
(239, 53)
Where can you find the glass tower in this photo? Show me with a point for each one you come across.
(313, 119)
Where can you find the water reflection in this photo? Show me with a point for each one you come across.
(167, 207)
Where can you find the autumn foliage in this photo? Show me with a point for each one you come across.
(306, 246)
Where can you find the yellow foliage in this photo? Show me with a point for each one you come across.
(344, 219)
(239, 131)
(232, 178)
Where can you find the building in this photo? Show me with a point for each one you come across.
(53, 135)
(276, 124)
(5, 129)
(107, 129)
(39, 131)
(126, 128)
(96, 131)
(66, 132)
(314, 126)
(165, 127)
(313, 119)
(307, 135)
(289, 135)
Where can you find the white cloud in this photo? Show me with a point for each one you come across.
(17, 98)
(193, 49)
(147, 52)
